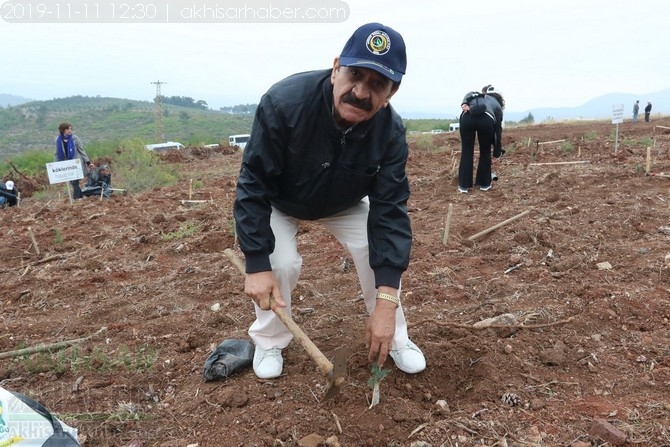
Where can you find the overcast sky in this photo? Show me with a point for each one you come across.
(549, 53)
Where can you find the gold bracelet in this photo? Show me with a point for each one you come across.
(388, 297)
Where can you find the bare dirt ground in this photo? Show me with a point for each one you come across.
(583, 270)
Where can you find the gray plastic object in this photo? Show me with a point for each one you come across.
(229, 357)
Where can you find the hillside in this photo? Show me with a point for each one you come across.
(583, 271)
(33, 126)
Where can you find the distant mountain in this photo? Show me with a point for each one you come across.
(600, 107)
(597, 108)
(12, 100)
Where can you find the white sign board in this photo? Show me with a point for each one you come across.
(617, 114)
(65, 171)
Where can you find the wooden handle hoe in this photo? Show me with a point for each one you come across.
(335, 372)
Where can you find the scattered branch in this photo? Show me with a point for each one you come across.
(495, 227)
(560, 163)
(48, 346)
(493, 326)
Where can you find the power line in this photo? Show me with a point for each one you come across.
(160, 130)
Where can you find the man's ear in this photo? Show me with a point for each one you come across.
(336, 68)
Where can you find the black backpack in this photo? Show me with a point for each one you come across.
(477, 103)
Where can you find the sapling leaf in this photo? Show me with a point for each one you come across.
(377, 375)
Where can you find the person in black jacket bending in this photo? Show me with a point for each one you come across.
(327, 146)
(9, 195)
(481, 116)
(99, 182)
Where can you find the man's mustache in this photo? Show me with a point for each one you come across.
(363, 104)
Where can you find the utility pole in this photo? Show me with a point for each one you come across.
(160, 131)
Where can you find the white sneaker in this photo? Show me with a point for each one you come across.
(409, 358)
(268, 363)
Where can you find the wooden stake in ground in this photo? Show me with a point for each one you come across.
(648, 161)
(447, 223)
(32, 238)
(495, 227)
(190, 189)
(69, 192)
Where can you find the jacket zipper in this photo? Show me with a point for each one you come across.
(336, 161)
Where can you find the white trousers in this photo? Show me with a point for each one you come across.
(350, 229)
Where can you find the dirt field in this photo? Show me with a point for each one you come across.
(582, 269)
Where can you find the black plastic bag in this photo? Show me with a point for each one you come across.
(229, 357)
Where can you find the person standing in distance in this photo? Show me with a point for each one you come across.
(69, 147)
(647, 112)
(636, 110)
(327, 146)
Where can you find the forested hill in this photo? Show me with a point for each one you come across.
(34, 125)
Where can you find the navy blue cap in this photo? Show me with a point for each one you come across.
(378, 48)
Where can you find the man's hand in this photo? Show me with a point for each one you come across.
(380, 330)
(260, 287)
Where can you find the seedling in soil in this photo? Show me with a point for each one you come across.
(377, 375)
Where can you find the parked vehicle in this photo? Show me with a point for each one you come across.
(165, 146)
(239, 140)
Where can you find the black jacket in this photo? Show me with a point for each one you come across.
(300, 162)
(11, 195)
(495, 111)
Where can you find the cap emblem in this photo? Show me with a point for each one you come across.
(378, 43)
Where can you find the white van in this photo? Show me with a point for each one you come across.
(453, 127)
(165, 146)
(239, 140)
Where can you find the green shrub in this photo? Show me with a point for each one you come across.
(646, 142)
(137, 169)
(186, 229)
(30, 163)
(567, 147)
(591, 136)
(424, 142)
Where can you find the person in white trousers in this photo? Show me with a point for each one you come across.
(326, 146)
